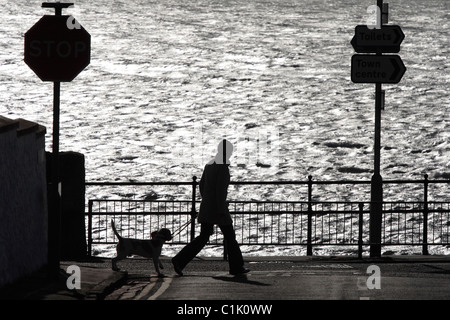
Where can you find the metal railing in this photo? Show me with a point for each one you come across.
(302, 223)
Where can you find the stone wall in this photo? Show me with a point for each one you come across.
(23, 199)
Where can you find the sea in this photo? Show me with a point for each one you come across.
(168, 80)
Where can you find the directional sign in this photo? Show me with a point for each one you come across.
(56, 52)
(384, 40)
(377, 68)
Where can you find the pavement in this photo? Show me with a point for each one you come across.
(98, 281)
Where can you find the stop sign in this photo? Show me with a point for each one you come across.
(55, 50)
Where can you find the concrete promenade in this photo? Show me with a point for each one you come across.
(271, 278)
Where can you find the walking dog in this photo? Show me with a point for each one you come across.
(145, 248)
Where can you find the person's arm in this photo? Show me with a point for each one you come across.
(202, 184)
(223, 180)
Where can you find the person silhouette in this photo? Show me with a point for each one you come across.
(214, 211)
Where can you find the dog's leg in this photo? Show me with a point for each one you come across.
(119, 257)
(156, 262)
(114, 264)
(115, 260)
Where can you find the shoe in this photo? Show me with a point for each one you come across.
(177, 268)
(242, 271)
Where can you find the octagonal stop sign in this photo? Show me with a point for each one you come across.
(55, 51)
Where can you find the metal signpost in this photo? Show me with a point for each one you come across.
(57, 50)
(378, 69)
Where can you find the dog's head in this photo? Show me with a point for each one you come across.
(164, 234)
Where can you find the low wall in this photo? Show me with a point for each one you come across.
(23, 199)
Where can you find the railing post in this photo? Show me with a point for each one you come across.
(193, 210)
(425, 216)
(90, 228)
(309, 227)
(360, 231)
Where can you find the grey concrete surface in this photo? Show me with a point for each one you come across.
(271, 278)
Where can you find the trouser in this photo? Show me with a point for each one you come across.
(235, 260)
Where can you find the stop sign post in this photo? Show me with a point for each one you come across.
(57, 50)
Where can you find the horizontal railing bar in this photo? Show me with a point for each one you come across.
(417, 181)
(415, 244)
(144, 213)
(298, 202)
(114, 242)
(132, 183)
(141, 201)
(118, 213)
(314, 213)
(303, 242)
(272, 201)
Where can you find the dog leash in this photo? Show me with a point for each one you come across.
(182, 228)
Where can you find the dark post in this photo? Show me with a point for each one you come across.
(193, 210)
(376, 205)
(309, 228)
(360, 231)
(90, 229)
(54, 225)
(425, 217)
(224, 161)
(72, 179)
(54, 219)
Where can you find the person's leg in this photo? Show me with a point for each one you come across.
(193, 248)
(235, 259)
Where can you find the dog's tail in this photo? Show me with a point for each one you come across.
(114, 229)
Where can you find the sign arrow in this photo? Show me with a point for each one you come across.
(384, 40)
(377, 69)
(397, 70)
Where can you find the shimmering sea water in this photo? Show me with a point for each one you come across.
(169, 79)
